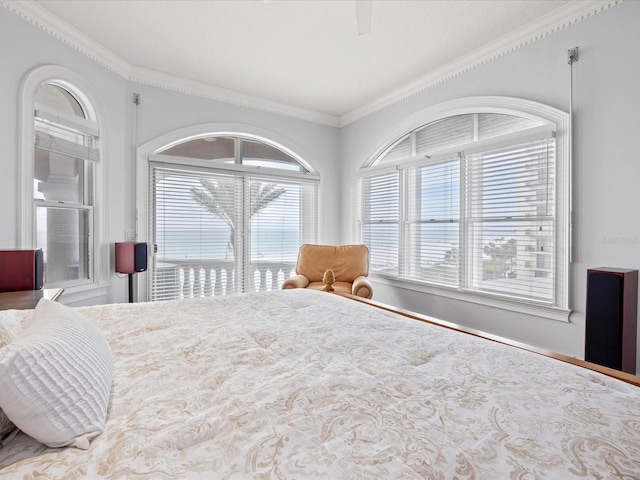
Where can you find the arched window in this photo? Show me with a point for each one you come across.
(474, 200)
(60, 166)
(228, 213)
(221, 150)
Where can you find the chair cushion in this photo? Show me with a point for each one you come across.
(346, 261)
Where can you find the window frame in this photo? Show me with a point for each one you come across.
(552, 118)
(150, 154)
(97, 285)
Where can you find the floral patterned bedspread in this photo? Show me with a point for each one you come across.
(302, 384)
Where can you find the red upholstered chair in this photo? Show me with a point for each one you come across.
(350, 265)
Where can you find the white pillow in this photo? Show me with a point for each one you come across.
(55, 377)
(6, 425)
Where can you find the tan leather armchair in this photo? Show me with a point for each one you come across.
(350, 265)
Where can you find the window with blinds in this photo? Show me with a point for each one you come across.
(380, 220)
(66, 147)
(477, 213)
(510, 220)
(218, 231)
(433, 221)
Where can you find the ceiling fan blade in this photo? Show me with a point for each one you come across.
(363, 15)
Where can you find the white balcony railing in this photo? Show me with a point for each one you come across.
(180, 278)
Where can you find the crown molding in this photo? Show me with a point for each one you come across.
(559, 19)
(191, 87)
(543, 27)
(40, 17)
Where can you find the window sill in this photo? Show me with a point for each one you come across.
(87, 294)
(543, 311)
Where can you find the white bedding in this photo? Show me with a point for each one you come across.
(302, 384)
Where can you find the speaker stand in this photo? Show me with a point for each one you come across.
(130, 288)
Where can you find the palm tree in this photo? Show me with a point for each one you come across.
(220, 197)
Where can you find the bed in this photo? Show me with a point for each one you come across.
(301, 384)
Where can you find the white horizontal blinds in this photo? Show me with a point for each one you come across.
(433, 222)
(197, 228)
(510, 219)
(72, 138)
(380, 220)
(495, 124)
(282, 217)
(399, 151)
(493, 220)
(445, 133)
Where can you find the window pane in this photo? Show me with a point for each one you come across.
(400, 151)
(380, 217)
(382, 240)
(514, 182)
(209, 148)
(515, 259)
(445, 133)
(262, 155)
(62, 235)
(494, 124)
(433, 212)
(438, 192)
(280, 223)
(511, 208)
(58, 178)
(195, 224)
(59, 98)
(434, 256)
(223, 149)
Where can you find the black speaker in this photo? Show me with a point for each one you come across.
(131, 257)
(611, 318)
(39, 269)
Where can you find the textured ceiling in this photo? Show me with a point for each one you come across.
(306, 54)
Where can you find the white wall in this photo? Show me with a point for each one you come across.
(161, 111)
(606, 166)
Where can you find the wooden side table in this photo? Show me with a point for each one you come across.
(27, 299)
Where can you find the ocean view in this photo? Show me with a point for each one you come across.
(266, 243)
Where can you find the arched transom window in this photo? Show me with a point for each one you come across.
(239, 150)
